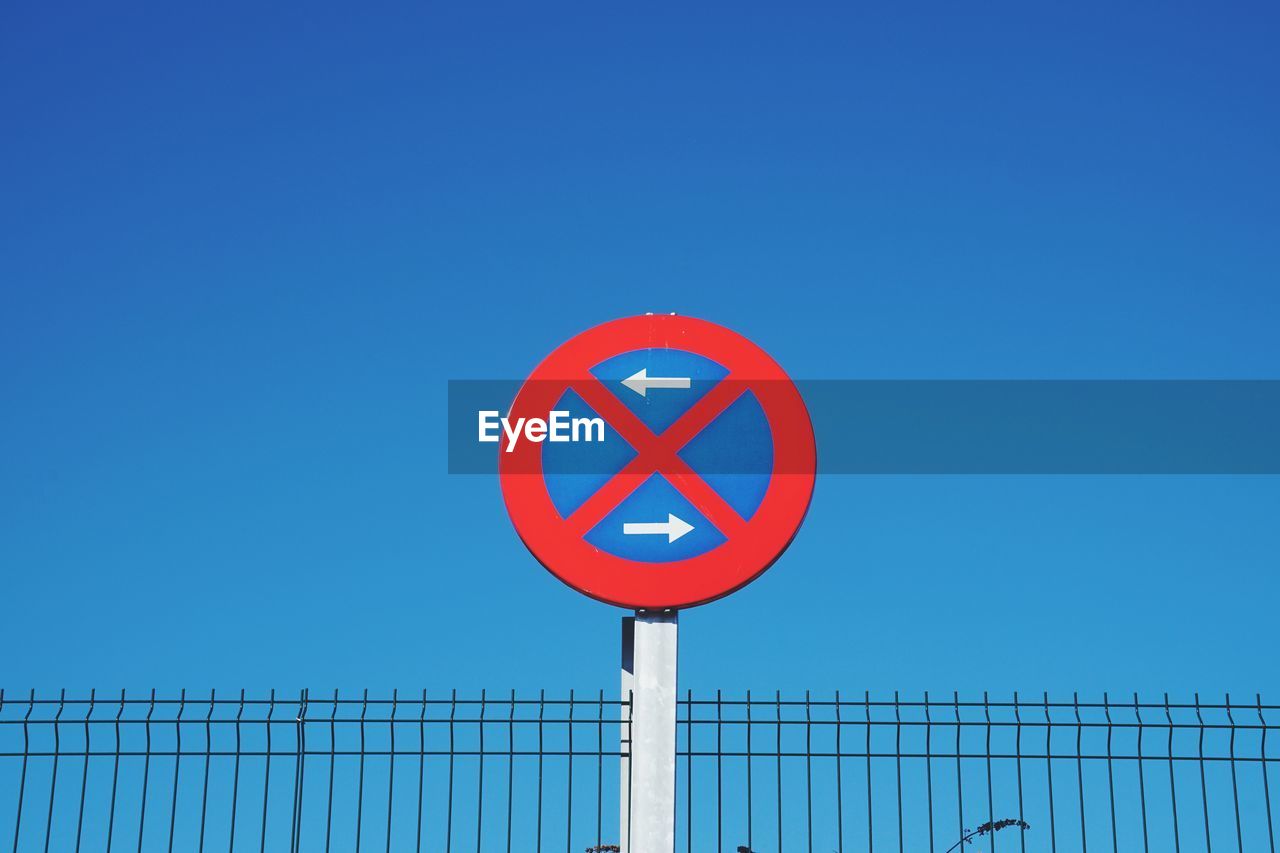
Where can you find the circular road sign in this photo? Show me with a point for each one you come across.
(687, 472)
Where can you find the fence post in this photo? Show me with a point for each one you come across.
(652, 790)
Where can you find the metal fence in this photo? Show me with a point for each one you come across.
(934, 773)
(307, 772)
(343, 772)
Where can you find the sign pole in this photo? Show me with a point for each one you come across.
(658, 384)
(626, 688)
(652, 789)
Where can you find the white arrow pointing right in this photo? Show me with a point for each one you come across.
(673, 528)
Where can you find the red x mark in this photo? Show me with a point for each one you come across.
(656, 453)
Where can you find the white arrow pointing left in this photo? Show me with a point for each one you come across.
(641, 381)
(673, 528)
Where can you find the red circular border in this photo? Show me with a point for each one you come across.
(683, 583)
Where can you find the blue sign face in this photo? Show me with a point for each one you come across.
(657, 523)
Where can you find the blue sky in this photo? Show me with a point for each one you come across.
(243, 249)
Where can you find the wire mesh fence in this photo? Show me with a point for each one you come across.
(308, 772)
(343, 772)
(945, 773)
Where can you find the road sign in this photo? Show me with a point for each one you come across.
(703, 477)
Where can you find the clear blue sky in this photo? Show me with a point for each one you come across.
(242, 248)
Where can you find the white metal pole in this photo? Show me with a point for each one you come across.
(625, 687)
(653, 734)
